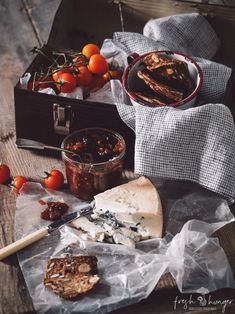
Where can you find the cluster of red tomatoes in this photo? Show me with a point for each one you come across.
(53, 180)
(15, 182)
(88, 69)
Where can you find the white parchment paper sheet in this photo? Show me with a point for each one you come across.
(194, 258)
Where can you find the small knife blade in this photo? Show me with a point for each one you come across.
(69, 217)
(41, 233)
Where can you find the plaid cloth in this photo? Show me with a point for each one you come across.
(197, 144)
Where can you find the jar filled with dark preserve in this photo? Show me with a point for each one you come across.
(99, 164)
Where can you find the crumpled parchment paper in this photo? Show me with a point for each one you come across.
(194, 258)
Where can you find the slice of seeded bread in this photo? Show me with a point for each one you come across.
(151, 98)
(172, 72)
(72, 276)
(166, 92)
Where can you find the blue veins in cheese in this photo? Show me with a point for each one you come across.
(125, 214)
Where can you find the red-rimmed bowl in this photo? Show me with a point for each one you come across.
(133, 84)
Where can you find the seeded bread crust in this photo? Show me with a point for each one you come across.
(167, 93)
(151, 98)
(172, 72)
(70, 277)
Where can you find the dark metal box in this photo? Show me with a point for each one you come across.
(49, 118)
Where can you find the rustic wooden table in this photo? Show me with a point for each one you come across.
(23, 25)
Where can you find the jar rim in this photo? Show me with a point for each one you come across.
(104, 163)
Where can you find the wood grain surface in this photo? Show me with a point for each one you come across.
(212, 2)
(17, 39)
(23, 25)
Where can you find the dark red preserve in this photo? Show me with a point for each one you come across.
(100, 164)
(54, 211)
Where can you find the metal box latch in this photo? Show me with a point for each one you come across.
(62, 116)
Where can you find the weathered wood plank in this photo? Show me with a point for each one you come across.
(213, 2)
(13, 58)
(17, 38)
(41, 14)
(14, 295)
(25, 163)
(169, 7)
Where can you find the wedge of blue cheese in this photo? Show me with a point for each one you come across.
(125, 214)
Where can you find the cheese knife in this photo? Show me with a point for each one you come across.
(41, 233)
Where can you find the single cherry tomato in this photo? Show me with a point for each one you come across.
(54, 179)
(56, 74)
(67, 83)
(106, 77)
(111, 74)
(84, 76)
(18, 182)
(97, 64)
(97, 82)
(41, 202)
(90, 50)
(4, 173)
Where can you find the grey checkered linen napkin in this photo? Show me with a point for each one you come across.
(197, 144)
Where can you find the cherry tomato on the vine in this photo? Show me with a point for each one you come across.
(56, 74)
(106, 77)
(67, 83)
(84, 76)
(97, 82)
(4, 173)
(54, 179)
(98, 64)
(18, 182)
(111, 74)
(89, 50)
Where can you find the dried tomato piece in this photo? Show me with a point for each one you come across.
(54, 211)
(41, 202)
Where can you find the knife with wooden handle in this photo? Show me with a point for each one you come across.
(41, 233)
